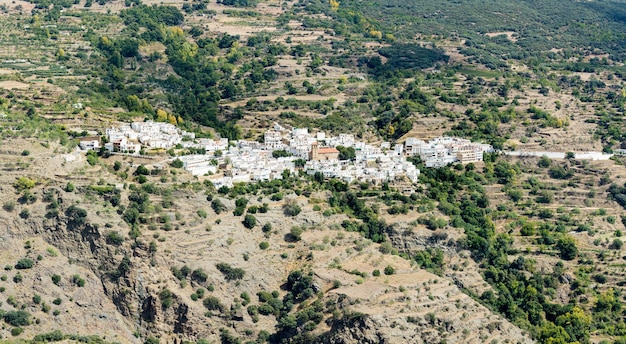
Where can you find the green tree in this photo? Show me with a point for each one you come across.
(249, 221)
(218, 206)
(576, 323)
(346, 153)
(177, 163)
(567, 247)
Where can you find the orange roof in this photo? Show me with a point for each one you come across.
(327, 150)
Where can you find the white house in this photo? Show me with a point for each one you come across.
(89, 143)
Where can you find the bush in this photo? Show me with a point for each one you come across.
(229, 272)
(79, 281)
(218, 206)
(24, 183)
(152, 340)
(267, 228)
(166, 298)
(18, 278)
(212, 303)
(599, 278)
(24, 213)
(24, 263)
(199, 275)
(114, 238)
(291, 208)
(376, 273)
(54, 336)
(76, 216)
(17, 318)
(264, 245)
(249, 221)
(389, 270)
(296, 233)
(56, 279)
(8, 206)
(617, 244)
(69, 187)
(177, 163)
(239, 211)
(202, 213)
(16, 331)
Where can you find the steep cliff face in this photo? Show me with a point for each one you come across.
(58, 291)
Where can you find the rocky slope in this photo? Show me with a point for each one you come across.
(123, 297)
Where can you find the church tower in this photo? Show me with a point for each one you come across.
(314, 152)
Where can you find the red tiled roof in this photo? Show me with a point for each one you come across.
(327, 150)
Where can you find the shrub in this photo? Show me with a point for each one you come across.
(57, 301)
(18, 278)
(181, 273)
(24, 213)
(264, 245)
(249, 221)
(17, 318)
(291, 208)
(267, 228)
(202, 213)
(69, 187)
(616, 244)
(245, 297)
(16, 331)
(599, 278)
(544, 162)
(54, 336)
(389, 270)
(199, 275)
(264, 208)
(76, 216)
(152, 340)
(114, 238)
(24, 263)
(166, 298)
(56, 279)
(376, 273)
(79, 281)
(8, 206)
(212, 303)
(177, 163)
(142, 171)
(36, 299)
(24, 183)
(229, 272)
(218, 206)
(527, 229)
(296, 233)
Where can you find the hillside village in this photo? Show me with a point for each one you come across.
(283, 149)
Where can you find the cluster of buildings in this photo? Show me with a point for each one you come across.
(249, 161)
(226, 163)
(130, 138)
(442, 151)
